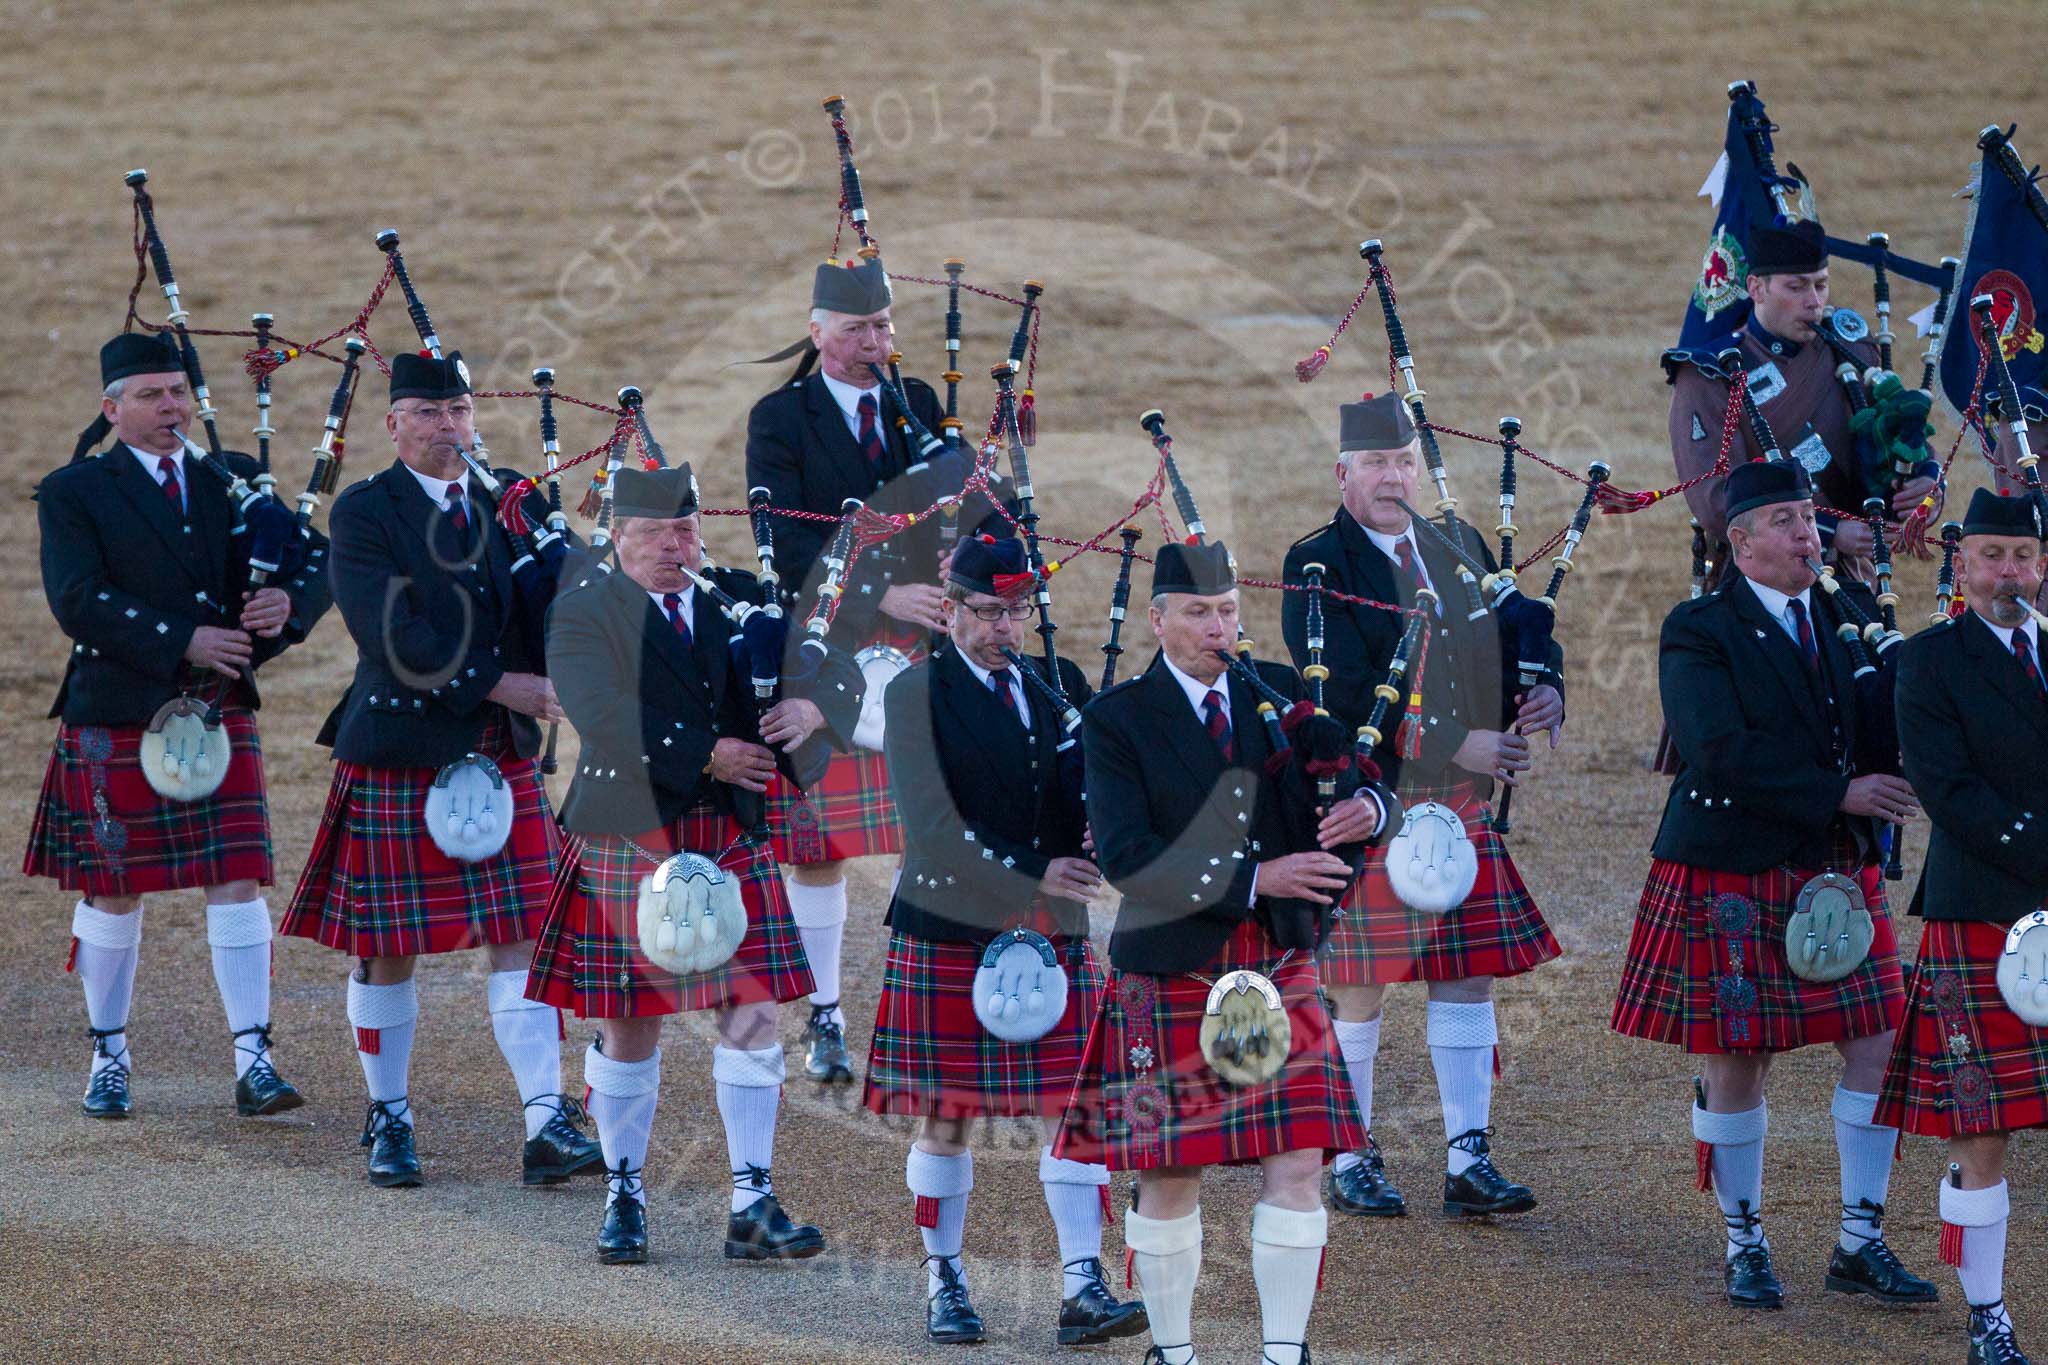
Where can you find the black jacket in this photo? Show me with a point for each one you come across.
(1974, 727)
(1463, 683)
(647, 711)
(129, 583)
(1178, 832)
(1765, 753)
(981, 802)
(800, 449)
(434, 629)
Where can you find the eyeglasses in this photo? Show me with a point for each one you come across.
(1016, 611)
(435, 416)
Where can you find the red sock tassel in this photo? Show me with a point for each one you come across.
(1130, 1259)
(561, 1028)
(1899, 1146)
(1322, 1259)
(367, 1041)
(1103, 1190)
(71, 958)
(927, 1211)
(1703, 1161)
(1496, 1061)
(1952, 1244)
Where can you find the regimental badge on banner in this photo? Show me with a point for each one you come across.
(1724, 273)
(2012, 308)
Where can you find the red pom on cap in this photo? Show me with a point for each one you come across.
(987, 539)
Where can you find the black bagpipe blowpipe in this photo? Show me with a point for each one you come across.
(1119, 604)
(328, 454)
(950, 424)
(1005, 375)
(1730, 363)
(818, 624)
(1881, 295)
(1945, 584)
(557, 523)
(1413, 395)
(1020, 345)
(851, 201)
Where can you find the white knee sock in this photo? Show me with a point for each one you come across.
(749, 1094)
(1866, 1151)
(1359, 1041)
(1462, 1037)
(1167, 1253)
(1738, 1143)
(239, 934)
(529, 1033)
(1977, 1219)
(104, 962)
(1073, 1192)
(1287, 1259)
(385, 1018)
(820, 915)
(940, 1185)
(622, 1100)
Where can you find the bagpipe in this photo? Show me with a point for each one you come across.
(1983, 313)
(1119, 603)
(1887, 421)
(1038, 580)
(275, 546)
(1945, 582)
(539, 551)
(1870, 645)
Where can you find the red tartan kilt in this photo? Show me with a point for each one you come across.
(2001, 1082)
(1669, 983)
(931, 1056)
(376, 885)
(1497, 931)
(848, 813)
(149, 843)
(1177, 1112)
(589, 961)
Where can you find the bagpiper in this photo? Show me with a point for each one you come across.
(668, 899)
(1792, 348)
(827, 435)
(1472, 730)
(437, 835)
(1762, 926)
(1971, 1062)
(1212, 1046)
(155, 782)
(990, 983)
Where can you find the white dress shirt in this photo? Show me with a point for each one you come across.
(437, 489)
(686, 608)
(151, 463)
(2004, 634)
(1779, 606)
(848, 397)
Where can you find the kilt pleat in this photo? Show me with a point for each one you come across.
(1677, 986)
(1146, 1098)
(847, 813)
(144, 842)
(931, 1057)
(588, 957)
(1497, 931)
(1964, 1063)
(376, 884)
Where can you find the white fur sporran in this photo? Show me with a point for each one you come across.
(184, 755)
(1246, 1033)
(1431, 863)
(879, 665)
(1829, 932)
(2023, 969)
(469, 809)
(1020, 989)
(691, 915)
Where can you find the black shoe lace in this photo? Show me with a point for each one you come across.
(1754, 1259)
(110, 1082)
(752, 1177)
(1301, 1346)
(383, 1118)
(1990, 1327)
(1744, 1219)
(952, 1291)
(1472, 1140)
(1871, 1212)
(629, 1185)
(1156, 1355)
(1089, 1268)
(1369, 1155)
(260, 1070)
(570, 1116)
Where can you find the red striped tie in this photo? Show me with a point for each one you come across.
(1219, 725)
(174, 494)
